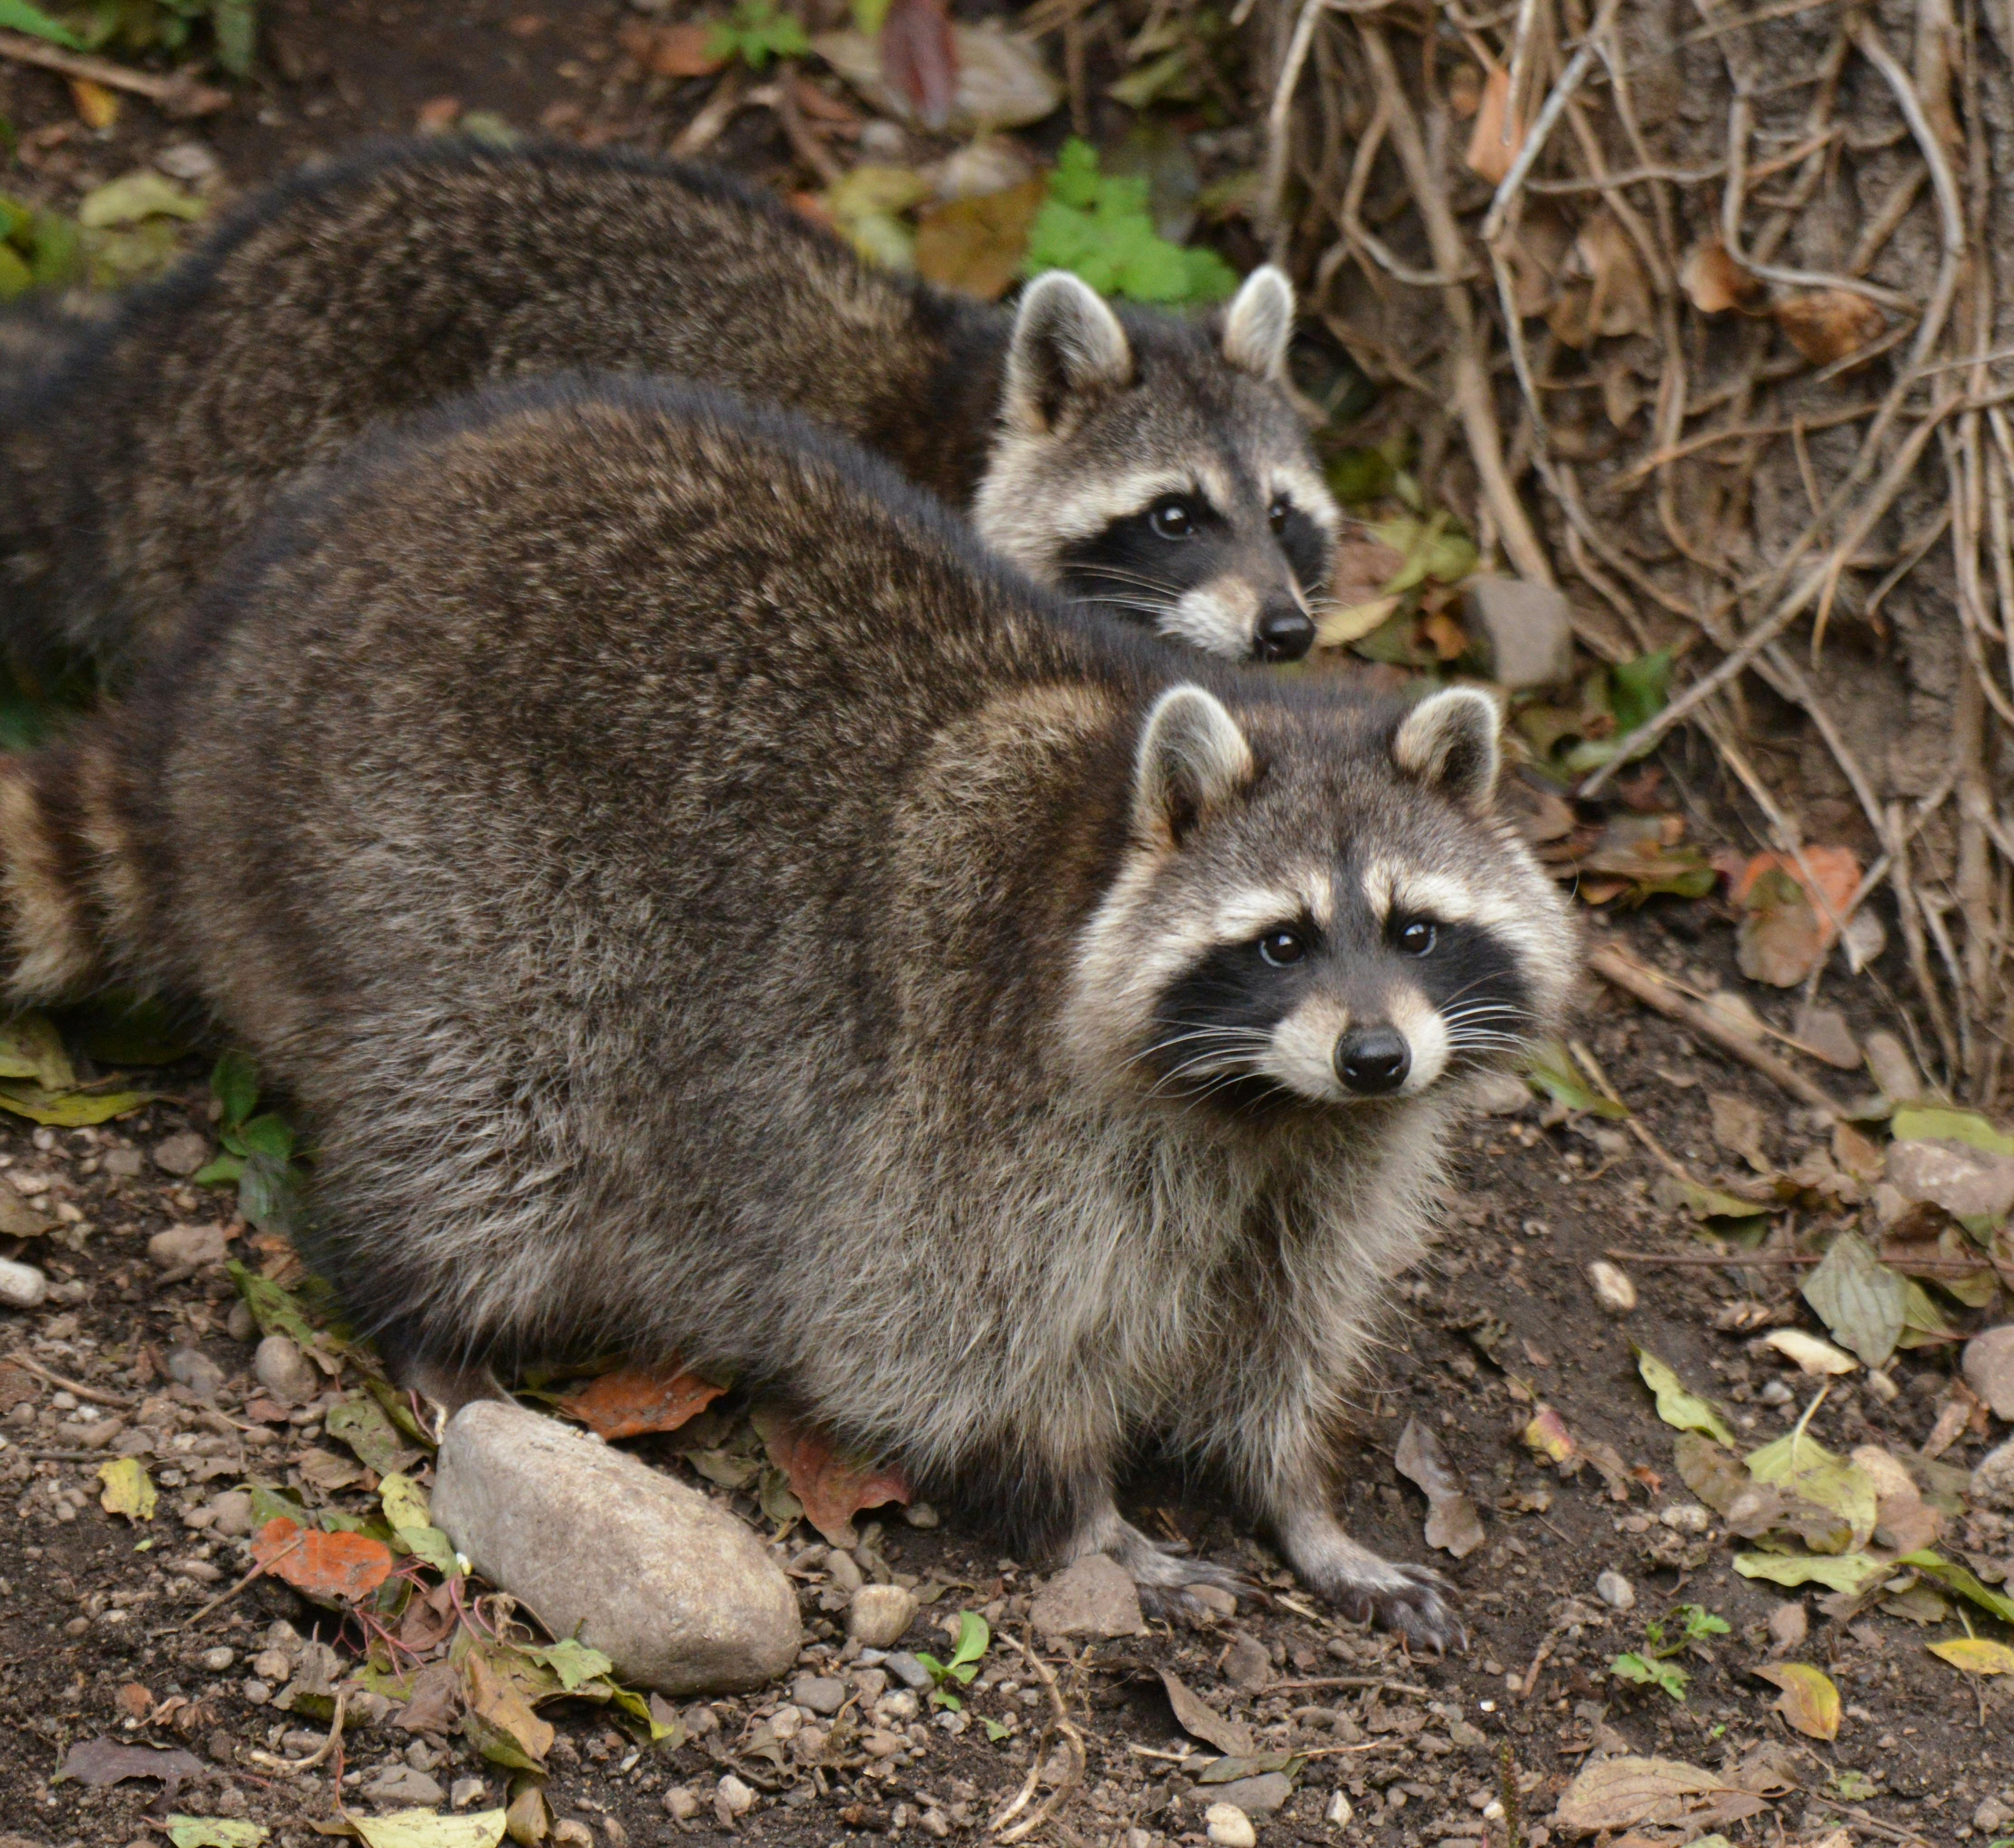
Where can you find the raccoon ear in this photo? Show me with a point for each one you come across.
(1259, 324)
(1192, 758)
(1066, 343)
(1449, 742)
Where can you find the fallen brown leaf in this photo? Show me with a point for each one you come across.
(670, 51)
(1452, 1524)
(833, 1488)
(1197, 1718)
(1496, 142)
(1829, 325)
(325, 1566)
(1714, 282)
(975, 246)
(919, 58)
(633, 1400)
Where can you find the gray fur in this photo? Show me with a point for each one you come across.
(372, 288)
(650, 975)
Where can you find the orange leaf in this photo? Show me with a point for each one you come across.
(1714, 281)
(833, 1488)
(670, 51)
(1492, 147)
(1835, 869)
(1828, 324)
(633, 1400)
(323, 1567)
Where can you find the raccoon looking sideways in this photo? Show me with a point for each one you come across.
(1152, 464)
(649, 976)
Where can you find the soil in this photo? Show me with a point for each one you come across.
(96, 1635)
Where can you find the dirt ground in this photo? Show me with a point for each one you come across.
(98, 1633)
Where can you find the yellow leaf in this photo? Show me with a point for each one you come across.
(1810, 1700)
(422, 1829)
(1974, 1655)
(129, 1490)
(1338, 628)
(96, 106)
(405, 1502)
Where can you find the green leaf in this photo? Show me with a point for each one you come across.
(268, 1194)
(128, 1489)
(18, 16)
(1851, 1573)
(422, 1829)
(1552, 1070)
(973, 1637)
(1099, 226)
(1651, 1672)
(1797, 1463)
(1640, 689)
(133, 197)
(266, 1135)
(31, 1047)
(994, 1731)
(572, 1660)
(1961, 1581)
(404, 1501)
(401, 1413)
(234, 24)
(269, 1505)
(234, 1083)
(359, 1421)
(1859, 1299)
(1916, 1123)
(1701, 1201)
(1683, 1410)
(1701, 1623)
(272, 1308)
(223, 1171)
(428, 1545)
(69, 1110)
(868, 15)
(214, 1831)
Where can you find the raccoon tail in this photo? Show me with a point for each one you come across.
(69, 894)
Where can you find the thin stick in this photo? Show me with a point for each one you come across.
(1059, 1721)
(315, 1758)
(19, 1359)
(223, 1598)
(1352, 1681)
(178, 95)
(1616, 966)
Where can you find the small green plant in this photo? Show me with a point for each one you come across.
(18, 16)
(973, 1637)
(135, 25)
(258, 1151)
(1097, 226)
(756, 32)
(1652, 1665)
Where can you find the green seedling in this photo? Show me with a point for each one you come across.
(973, 1637)
(755, 32)
(258, 1149)
(1097, 226)
(1652, 1665)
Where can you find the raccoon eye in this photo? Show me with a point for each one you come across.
(1280, 948)
(1171, 518)
(1276, 514)
(1416, 938)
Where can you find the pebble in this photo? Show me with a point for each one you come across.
(907, 1670)
(120, 1163)
(196, 1246)
(1612, 1289)
(879, 1614)
(1247, 1664)
(1520, 629)
(1825, 1031)
(256, 1693)
(1257, 1796)
(230, 1513)
(1788, 1623)
(272, 1665)
(194, 1369)
(572, 1833)
(217, 1661)
(1989, 1368)
(823, 1694)
(1615, 1590)
(1685, 1517)
(466, 1791)
(880, 1743)
(899, 1708)
(181, 1154)
(681, 1802)
(284, 1372)
(1992, 1814)
(1499, 1094)
(1229, 1827)
(844, 1571)
(1993, 1478)
(678, 1593)
(1214, 1599)
(1339, 1813)
(22, 1287)
(733, 1795)
(1093, 1596)
(920, 1514)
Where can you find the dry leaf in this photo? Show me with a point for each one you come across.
(1785, 932)
(1807, 1353)
(96, 1762)
(323, 1567)
(1863, 1302)
(1197, 1717)
(1829, 325)
(1714, 282)
(1974, 1655)
(1809, 1700)
(500, 1719)
(1737, 1127)
(670, 51)
(97, 107)
(1681, 1409)
(633, 1400)
(1620, 1792)
(1452, 1524)
(1495, 141)
(832, 1488)
(1607, 292)
(1548, 1435)
(974, 245)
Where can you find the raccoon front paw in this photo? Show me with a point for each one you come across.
(1412, 1601)
(1165, 1578)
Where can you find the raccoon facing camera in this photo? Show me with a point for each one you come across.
(655, 971)
(1152, 464)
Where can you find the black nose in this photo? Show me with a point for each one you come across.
(1372, 1061)
(1285, 634)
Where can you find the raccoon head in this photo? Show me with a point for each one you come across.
(1318, 906)
(1159, 469)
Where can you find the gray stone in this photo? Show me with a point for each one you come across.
(1229, 1827)
(1989, 1369)
(1520, 629)
(196, 1245)
(1247, 1663)
(402, 1785)
(1094, 1596)
(1965, 1182)
(193, 1368)
(181, 1154)
(467, 1791)
(1615, 1590)
(1992, 1814)
(1499, 1094)
(22, 1287)
(1993, 1478)
(907, 1670)
(680, 1594)
(825, 1694)
(1255, 1796)
(284, 1372)
(1825, 1031)
(879, 1614)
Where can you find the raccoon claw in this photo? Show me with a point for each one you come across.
(1412, 1603)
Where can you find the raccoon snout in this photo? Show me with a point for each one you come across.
(1284, 633)
(1372, 1061)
